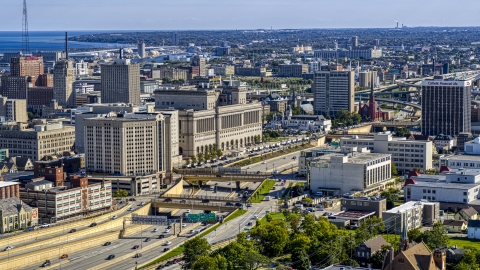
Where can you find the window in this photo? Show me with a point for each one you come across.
(434, 191)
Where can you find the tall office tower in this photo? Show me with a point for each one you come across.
(376, 42)
(354, 42)
(64, 77)
(175, 40)
(365, 79)
(27, 66)
(14, 110)
(126, 144)
(141, 49)
(200, 62)
(121, 82)
(334, 91)
(446, 106)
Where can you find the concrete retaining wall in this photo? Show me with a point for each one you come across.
(77, 241)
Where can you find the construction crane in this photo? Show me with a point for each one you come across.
(25, 38)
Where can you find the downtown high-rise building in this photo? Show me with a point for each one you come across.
(64, 77)
(333, 91)
(121, 82)
(141, 50)
(175, 40)
(24, 73)
(200, 63)
(446, 106)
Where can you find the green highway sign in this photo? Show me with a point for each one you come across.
(203, 217)
(193, 217)
(211, 216)
(246, 229)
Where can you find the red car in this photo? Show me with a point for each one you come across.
(136, 246)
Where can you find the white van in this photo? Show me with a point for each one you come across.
(299, 205)
(267, 198)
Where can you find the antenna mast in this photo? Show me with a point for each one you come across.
(25, 39)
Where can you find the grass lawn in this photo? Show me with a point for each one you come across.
(275, 216)
(264, 190)
(397, 203)
(464, 242)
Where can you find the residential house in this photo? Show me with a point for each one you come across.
(366, 249)
(22, 163)
(473, 231)
(454, 254)
(8, 168)
(466, 214)
(455, 226)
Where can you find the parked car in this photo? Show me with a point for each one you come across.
(45, 225)
(72, 230)
(46, 263)
(111, 257)
(29, 229)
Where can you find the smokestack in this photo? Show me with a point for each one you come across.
(66, 45)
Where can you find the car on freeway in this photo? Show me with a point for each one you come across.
(183, 201)
(8, 248)
(166, 249)
(130, 209)
(168, 199)
(184, 225)
(284, 157)
(107, 243)
(93, 224)
(192, 231)
(168, 243)
(46, 263)
(169, 226)
(138, 255)
(155, 229)
(111, 257)
(45, 225)
(161, 236)
(258, 172)
(115, 217)
(167, 230)
(72, 230)
(148, 239)
(205, 201)
(229, 204)
(64, 256)
(239, 204)
(136, 247)
(249, 224)
(188, 211)
(255, 217)
(264, 162)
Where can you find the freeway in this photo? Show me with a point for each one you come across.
(279, 163)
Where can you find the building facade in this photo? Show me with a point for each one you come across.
(333, 92)
(64, 77)
(350, 172)
(292, 70)
(125, 144)
(14, 110)
(406, 154)
(446, 106)
(413, 214)
(121, 82)
(15, 214)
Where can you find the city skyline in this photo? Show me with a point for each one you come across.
(249, 14)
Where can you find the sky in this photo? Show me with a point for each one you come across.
(44, 15)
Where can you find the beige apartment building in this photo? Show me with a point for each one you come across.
(64, 77)
(44, 139)
(121, 82)
(125, 144)
(406, 154)
(14, 110)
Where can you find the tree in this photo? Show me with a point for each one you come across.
(207, 155)
(200, 157)
(219, 153)
(378, 257)
(194, 159)
(415, 235)
(187, 161)
(273, 237)
(194, 249)
(300, 259)
(393, 169)
(392, 195)
(297, 110)
(437, 237)
(402, 131)
(350, 262)
(204, 263)
(120, 193)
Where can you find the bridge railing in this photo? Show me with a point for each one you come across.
(193, 203)
(203, 197)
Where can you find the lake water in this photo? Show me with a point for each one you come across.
(11, 41)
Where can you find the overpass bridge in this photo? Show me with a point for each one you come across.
(214, 206)
(222, 175)
(396, 124)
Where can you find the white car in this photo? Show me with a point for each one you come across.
(192, 231)
(264, 162)
(8, 248)
(184, 225)
(168, 243)
(167, 230)
(155, 230)
(255, 217)
(45, 225)
(130, 209)
(114, 217)
(188, 211)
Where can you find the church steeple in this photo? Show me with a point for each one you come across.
(404, 242)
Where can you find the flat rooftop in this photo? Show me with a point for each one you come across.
(445, 185)
(351, 214)
(356, 158)
(7, 184)
(462, 157)
(406, 206)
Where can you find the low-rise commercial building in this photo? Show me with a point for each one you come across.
(15, 214)
(292, 70)
(369, 204)
(13, 110)
(406, 154)
(352, 171)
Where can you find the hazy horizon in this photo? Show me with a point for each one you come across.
(150, 15)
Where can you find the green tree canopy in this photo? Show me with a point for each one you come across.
(120, 193)
(194, 249)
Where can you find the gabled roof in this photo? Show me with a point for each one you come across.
(376, 243)
(453, 222)
(12, 206)
(473, 223)
(470, 211)
(445, 169)
(410, 181)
